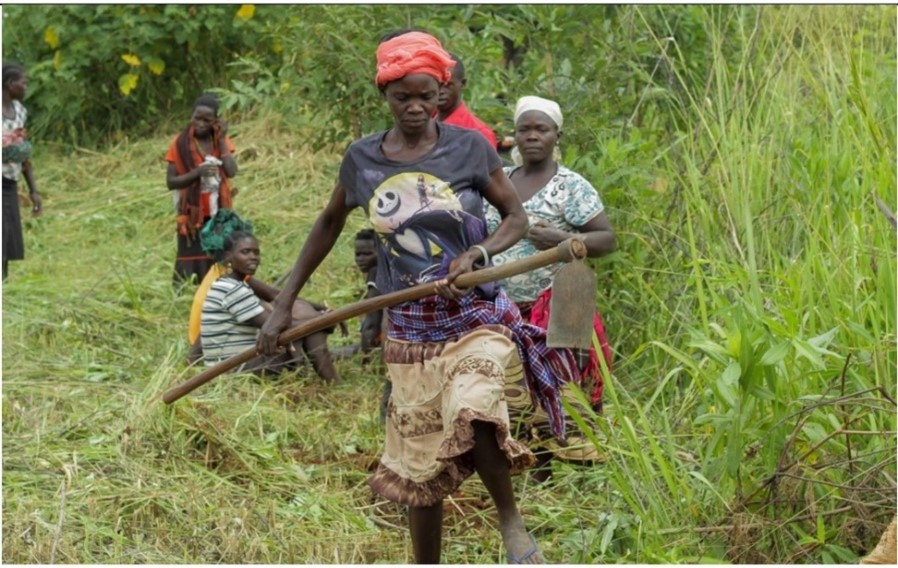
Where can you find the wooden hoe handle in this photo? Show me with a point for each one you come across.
(566, 251)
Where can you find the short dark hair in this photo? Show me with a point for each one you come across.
(459, 66)
(208, 100)
(234, 238)
(365, 235)
(12, 71)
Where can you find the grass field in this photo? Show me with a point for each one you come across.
(751, 308)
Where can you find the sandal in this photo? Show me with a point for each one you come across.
(512, 559)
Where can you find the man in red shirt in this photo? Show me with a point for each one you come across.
(453, 110)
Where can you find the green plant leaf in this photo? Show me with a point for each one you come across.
(127, 83)
(50, 37)
(155, 65)
(808, 352)
(775, 354)
(245, 12)
(131, 59)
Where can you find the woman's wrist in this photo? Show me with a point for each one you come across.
(485, 256)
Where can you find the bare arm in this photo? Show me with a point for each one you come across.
(596, 233)
(174, 181)
(37, 204)
(502, 195)
(268, 293)
(318, 244)
(264, 291)
(371, 326)
(259, 320)
(229, 163)
(373, 321)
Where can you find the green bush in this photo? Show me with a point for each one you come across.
(99, 72)
(107, 70)
(613, 65)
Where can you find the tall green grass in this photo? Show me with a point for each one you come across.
(762, 325)
(751, 306)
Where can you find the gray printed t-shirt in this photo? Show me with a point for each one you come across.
(424, 212)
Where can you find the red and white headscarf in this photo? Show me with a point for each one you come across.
(412, 52)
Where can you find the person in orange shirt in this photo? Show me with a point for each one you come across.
(200, 163)
(452, 110)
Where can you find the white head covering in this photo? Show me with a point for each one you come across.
(550, 108)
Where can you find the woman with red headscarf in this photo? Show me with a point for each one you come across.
(200, 163)
(422, 185)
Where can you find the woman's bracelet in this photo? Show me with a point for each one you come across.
(486, 255)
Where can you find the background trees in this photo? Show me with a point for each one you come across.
(99, 71)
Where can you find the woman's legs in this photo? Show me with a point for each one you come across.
(542, 471)
(315, 347)
(13, 240)
(191, 261)
(426, 528)
(425, 523)
(493, 469)
(425, 409)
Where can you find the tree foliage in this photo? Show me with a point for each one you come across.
(101, 70)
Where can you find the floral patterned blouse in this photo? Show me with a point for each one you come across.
(567, 202)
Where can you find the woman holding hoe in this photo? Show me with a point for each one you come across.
(422, 185)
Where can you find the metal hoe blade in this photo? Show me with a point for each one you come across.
(572, 307)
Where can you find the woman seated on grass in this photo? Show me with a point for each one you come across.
(236, 307)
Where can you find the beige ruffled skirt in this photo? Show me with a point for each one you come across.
(439, 389)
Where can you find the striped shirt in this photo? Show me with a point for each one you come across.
(224, 330)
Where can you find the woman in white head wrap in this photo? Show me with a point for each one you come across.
(550, 109)
(559, 203)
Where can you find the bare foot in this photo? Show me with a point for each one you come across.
(520, 547)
